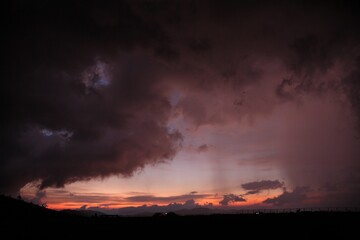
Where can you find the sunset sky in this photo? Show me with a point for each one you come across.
(112, 104)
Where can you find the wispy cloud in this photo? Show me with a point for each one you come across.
(166, 199)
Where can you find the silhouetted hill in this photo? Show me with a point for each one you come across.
(84, 213)
(195, 211)
(19, 210)
(23, 219)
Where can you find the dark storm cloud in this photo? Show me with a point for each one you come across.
(86, 86)
(294, 198)
(229, 198)
(256, 187)
(311, 56)
(78, 106)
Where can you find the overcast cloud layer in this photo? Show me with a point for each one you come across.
(89, 90)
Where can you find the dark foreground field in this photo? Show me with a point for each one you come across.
(19, 218)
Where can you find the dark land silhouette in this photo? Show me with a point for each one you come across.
(20, 218)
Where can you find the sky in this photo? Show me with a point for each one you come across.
(221, 104)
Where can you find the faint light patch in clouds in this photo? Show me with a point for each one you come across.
(31, 193)
(63, 133)
(175, 97)
(96, 77)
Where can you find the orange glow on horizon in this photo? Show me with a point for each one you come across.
(65, 204)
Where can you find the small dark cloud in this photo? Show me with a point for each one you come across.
(252, 192)
(311, 53)
(258, 186)
(229, 198)
(60, 191)
(285, 90)
(193, 192)
(203, 148)
(83, 207)
(108, 205)
(199, 46)
(296, 197)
